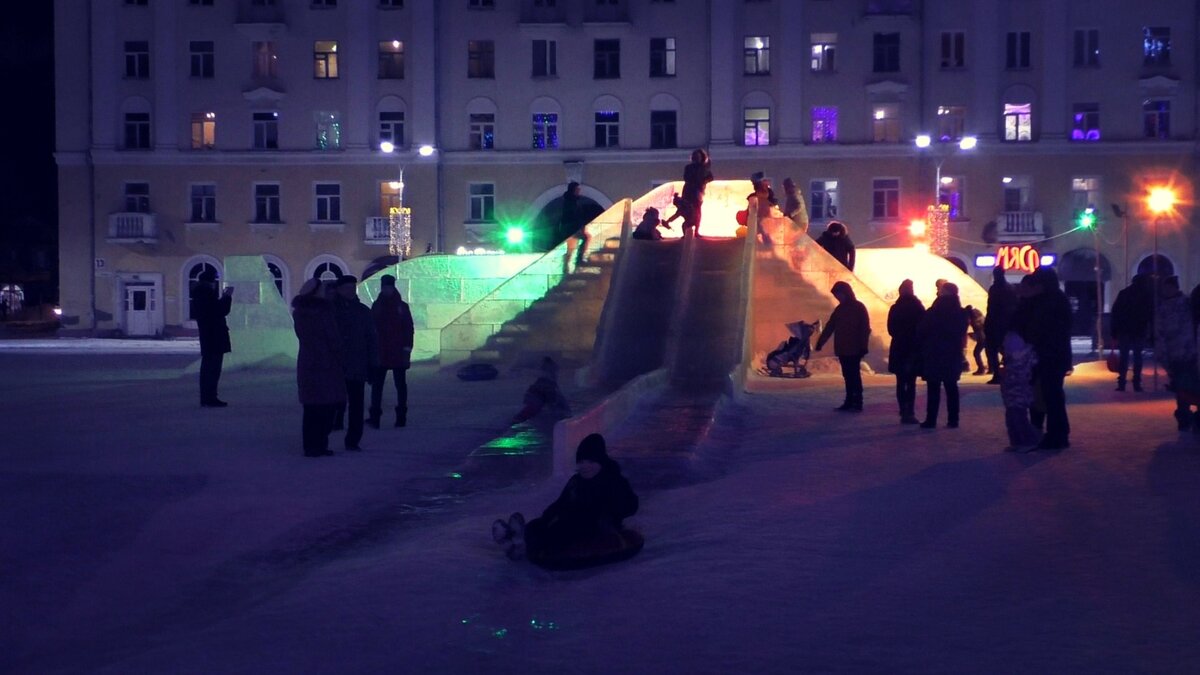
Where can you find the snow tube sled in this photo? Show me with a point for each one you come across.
(474, 372)
(609, 548)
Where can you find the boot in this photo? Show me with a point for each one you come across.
(401, 416)
(373, 417)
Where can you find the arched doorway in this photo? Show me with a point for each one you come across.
(1165, 267)
(1077, 271)
(545, 212)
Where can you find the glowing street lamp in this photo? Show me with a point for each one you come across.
(1161, 201)
(938, 216)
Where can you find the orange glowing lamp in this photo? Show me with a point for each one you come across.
(1161, 200)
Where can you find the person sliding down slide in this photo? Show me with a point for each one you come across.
(583, 527)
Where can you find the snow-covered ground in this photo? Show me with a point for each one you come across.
(143, 534)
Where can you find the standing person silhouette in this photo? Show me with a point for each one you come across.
(904, 355)
(210, 309)
(942, 334)
(573, 222)
(850, 328)
(696, 177)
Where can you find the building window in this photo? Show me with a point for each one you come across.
(137, 198)
(325, 60)
(262, 3)
(951, 120)
(204, 203)
(662, 57)
(1156, 46)
(1085, 122)
(545, 58)
(391, 60)
(662, 129)
(329, 129)
(1087, 48)
(1016, 194)
(824, 124)
(266, 61)
(756, 126)
(481, 4)
(1156, 117)
(200, 3)
(545, 131)
(391, 128)
(266, 203)
(608, 129)
(757, 53)
(137, 131)
(885, 123)
(137, 60)
(950, 193)
(204, 131)
(1017, 50)
(954, 50)
(1085, 193)
(1018, 122)
(202, 59)
(194, 280)
(887, 53)
(324, 4)
(391, 4)
(823, 199)
(481, 202)
(328, 202)
(606, 64)
(885, 198)
(266, 131)
(824, 48)
(481, 59)
(483, 131)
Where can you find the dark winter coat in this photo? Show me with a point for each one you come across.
(360, 345)
(210, 310)
(319, 375)
(942, 335)
(1001, 303)
(394, 328)
(1048, 322)
(841, 248)
(572, 217)
(599, 503)
(850, 326)
(903, 319)
(1132, 314)
(696, 178)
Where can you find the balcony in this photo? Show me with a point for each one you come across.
(1019, 226)
(132, 228)
(377, 231)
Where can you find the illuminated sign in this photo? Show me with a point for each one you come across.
(1018, 258)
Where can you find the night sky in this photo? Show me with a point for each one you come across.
(28, 190)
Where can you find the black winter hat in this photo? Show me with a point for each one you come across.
(592, 449)
(346, 279)
(387, 280)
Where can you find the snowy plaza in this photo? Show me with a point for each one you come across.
(143, 534)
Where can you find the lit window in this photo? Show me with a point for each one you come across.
(951, 120)
(954, 51)
(824, 124)
(662, 57)
(266, 203)
(1017, 50)
(885, 123)
(1085, 193)
(545, 131)
(756, 126)
(481, 59)
(137, 131)
(1085, 122)
(823, 199)
(885, 198)
(483, 131)
(201, 59)
(1087, 48)
(606, 63)
(757, 52)
(329, 129)
(545, 58)
(662, 129)
(481, 202)
(1156, 46)
(950, 193)
(266, 130)
(325, 60)
(391, 127)
(391, 60)
(1018, 122)
(137, 60)
(137, 198)
(328, 202)
(203, 203)
(1156, 116)
(824, 49)
(204, 130)
(608, 129)
(887, 53)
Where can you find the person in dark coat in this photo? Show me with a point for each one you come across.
(360, 355)
(573, 223)
(850, 327)
(791, 205)
(1132, 317)
(836, 240)
(647, 228)
(975, 322)
(1047, 318)
(320, 379)
(394, 328)
(942, 335)
(590, 509)
(1175, 348)
(696, 177)
(1001, 303)
(904, 358)
(210, 310)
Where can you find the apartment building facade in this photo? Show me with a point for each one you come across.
(189, 130)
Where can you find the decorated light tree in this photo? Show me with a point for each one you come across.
(399, 223)
(938, 229)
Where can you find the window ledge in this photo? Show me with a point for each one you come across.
(203, 225)
(479, 222)
(326, 226)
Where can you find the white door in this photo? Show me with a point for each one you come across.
(141, 303)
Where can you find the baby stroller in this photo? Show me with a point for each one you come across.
(794, 351)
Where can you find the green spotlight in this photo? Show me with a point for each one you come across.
(1087, 218)
(515, 235)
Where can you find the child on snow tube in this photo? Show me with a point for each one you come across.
(583, 526)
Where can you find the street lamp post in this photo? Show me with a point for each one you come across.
(1161, 202)
(924, 141)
